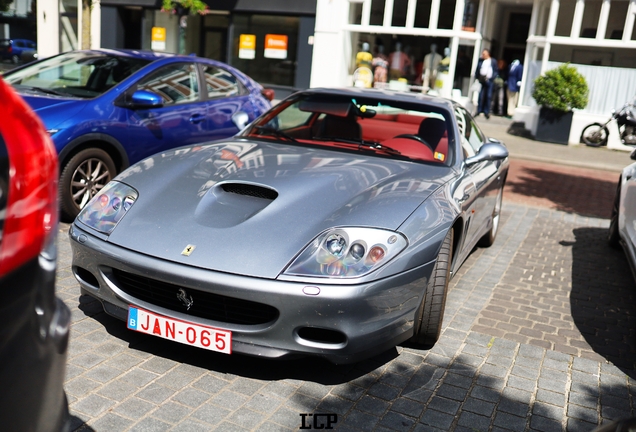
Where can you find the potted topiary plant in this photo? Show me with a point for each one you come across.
(558, 92)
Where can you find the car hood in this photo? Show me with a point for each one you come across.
(249, 208)
(54, 110)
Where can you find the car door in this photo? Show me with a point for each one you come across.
(483, 174)
(226, 98)
(180, 121)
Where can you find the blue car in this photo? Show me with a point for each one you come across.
(12, 49)
(107, 109)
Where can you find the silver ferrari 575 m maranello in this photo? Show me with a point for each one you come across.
(329, 226)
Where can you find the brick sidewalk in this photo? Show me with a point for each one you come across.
(570, 189)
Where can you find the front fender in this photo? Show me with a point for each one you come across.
(110, 144)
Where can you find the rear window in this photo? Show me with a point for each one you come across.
(4, 43)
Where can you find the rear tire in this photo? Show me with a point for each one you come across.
(595, 135)
(82, 178)
(489, 238)
(613, 237)
(428, 320)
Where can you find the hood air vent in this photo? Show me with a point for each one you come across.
(250, 190)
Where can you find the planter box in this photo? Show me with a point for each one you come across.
(554, 126)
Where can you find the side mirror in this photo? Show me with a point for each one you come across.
(488, 152)
(268, 93)
(240, 119)
(146, 99)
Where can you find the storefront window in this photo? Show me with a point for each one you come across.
(401, 58)
(564, 20)
(446, 14)
(355, 13)
(542, 18)
(422, 13)
(469, 20)
(275, 47)
(68, 25)
(590, 18)
(399, 13)
(463, 70)
(616, 20)
(377, 12)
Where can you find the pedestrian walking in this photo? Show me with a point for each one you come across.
(486, 73)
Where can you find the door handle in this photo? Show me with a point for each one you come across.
(463, 199)
(196, 118)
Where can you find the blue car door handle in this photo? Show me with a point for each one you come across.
(196, 118)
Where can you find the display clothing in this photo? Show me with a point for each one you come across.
(398, 63)
(431, 64)
(515, 74)
(364, 59)
(486, 72)
(380, 64)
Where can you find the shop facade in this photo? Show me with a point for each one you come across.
(447, 36)
(217, 34)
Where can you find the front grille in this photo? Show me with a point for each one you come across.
(206, 305)
(250, 190)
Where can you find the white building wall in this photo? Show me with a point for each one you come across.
(48, 21)
(332, 45)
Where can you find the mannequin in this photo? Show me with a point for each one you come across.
(362, 76)
(515, 73)
(442, 70)
(380, 65)
(398, 62)
(431, 63)
(364, 57)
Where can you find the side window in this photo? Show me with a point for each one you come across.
(470, 134)
(176, 83)
(220, 83)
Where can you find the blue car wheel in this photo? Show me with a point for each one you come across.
(82, 178)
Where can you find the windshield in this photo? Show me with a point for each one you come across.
(414, 131)
(75, 74)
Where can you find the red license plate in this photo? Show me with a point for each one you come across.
(205, 337)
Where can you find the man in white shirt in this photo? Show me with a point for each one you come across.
(486, 73)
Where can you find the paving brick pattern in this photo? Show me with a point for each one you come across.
(538, 336)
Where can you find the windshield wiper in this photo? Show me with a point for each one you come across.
(46, 91)
(361, 145)
(276, 132)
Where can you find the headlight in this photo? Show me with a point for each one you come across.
(106, 209)
(347, 253)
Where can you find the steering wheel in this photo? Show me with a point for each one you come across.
(416, 138)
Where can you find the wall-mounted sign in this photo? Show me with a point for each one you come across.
(158, 39)
(275, 46)
(247, 46)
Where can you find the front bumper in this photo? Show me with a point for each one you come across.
(342, 323)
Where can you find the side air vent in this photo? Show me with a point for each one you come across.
(250, 190)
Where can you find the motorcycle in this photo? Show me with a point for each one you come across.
(596, 134)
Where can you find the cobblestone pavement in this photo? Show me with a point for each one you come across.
(539, 335)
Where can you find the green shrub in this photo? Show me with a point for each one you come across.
(562, 89)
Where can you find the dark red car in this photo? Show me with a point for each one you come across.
(34, 323)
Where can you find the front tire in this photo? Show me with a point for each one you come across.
(613, 237)
(82, 178)
(595, 135)
(428, 320)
